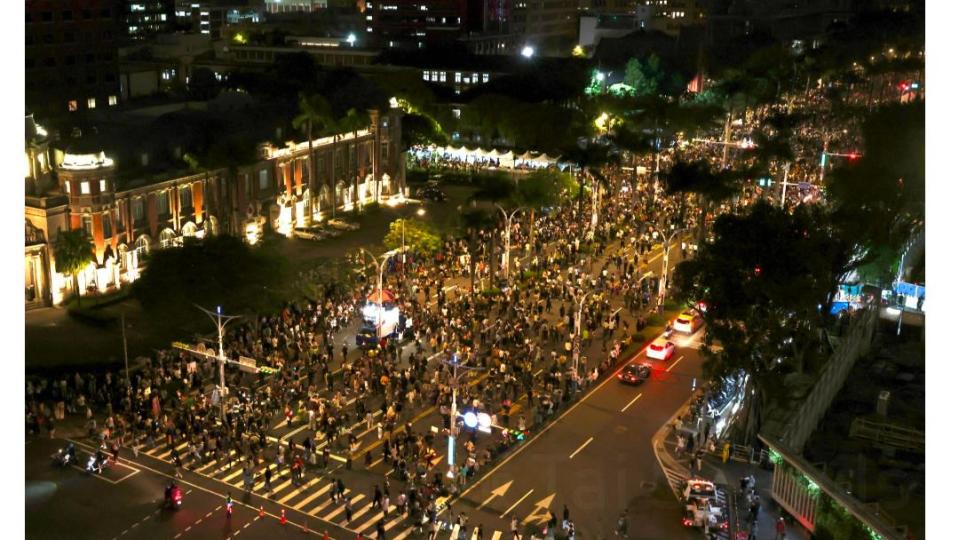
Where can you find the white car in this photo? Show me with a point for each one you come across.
(660, 349)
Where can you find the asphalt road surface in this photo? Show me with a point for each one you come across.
(596, 459)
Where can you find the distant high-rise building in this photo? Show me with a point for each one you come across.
(397, 23)
(142, 19)
(71, 55)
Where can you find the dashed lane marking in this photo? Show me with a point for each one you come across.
(631, 402)
(589, 440)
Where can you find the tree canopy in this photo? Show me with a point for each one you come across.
(215, 271)
(421, 236)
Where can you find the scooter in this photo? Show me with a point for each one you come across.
(175, 497)
(95, 464)
(64, 456)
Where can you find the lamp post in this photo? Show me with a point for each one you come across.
(577, 326)
(667, 240)
(509, 228)
(220, 320)
(380, 265)
(454, 385)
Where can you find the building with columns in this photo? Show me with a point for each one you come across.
(76, 184)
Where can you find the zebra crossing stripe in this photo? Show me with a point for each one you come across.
(404, 534)
(338, 511)
(361, 511)
(314, 495)
(456, 531)
(372, 521)
(299, 490)
(328, 502)
(496, 535)
(393, 523)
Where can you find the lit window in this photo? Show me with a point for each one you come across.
(426, 75)
(66, 187)
(456, 113)
(475, 78)
(112, 100)
(458, 77)
(88, 225)
(103, 185)
(442, 76)
(434, 76)
(485, 78)
(264, 179)
(72, 105)
(91, 103)
(84, 188)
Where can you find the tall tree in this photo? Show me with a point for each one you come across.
(475, 222)
(73, 252)
(541, 189)
(763, 294)
(709, 188)
(314, 111)
(589, 159)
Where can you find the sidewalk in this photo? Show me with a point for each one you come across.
(677, 465)
(769, 511)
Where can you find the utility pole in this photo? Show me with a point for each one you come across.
(662, 279)
(782, 202)
(454, 384)
(220, 320)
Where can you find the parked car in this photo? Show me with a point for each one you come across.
(432, 193)
(341, 225)
(311, 233)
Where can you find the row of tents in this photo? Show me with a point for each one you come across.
(506, 159)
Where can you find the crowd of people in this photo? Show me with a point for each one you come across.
(519, 348)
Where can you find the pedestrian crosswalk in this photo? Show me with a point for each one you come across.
(676, 479)
(312, 497)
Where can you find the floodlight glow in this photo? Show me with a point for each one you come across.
(528, 51)
(470, 420)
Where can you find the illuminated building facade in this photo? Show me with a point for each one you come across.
(75, 184)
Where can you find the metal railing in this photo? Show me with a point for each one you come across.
(889, 434)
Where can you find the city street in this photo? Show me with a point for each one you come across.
(596, 459)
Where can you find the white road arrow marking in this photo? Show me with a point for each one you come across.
(540, 513)
(498, 492)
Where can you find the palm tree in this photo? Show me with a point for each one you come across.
(589, 160)
(314, 110)
(476, 221)
(73, 251)
(709, 188)
(354, 121)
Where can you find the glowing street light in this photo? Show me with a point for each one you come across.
(528, 51)
(351, 39)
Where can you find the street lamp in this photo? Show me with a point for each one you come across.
(577, 328)
(220, 320)
(454, 385)
(419, 212)
(380, 266)
(667, 240)
(528, 51)
(509, 228)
